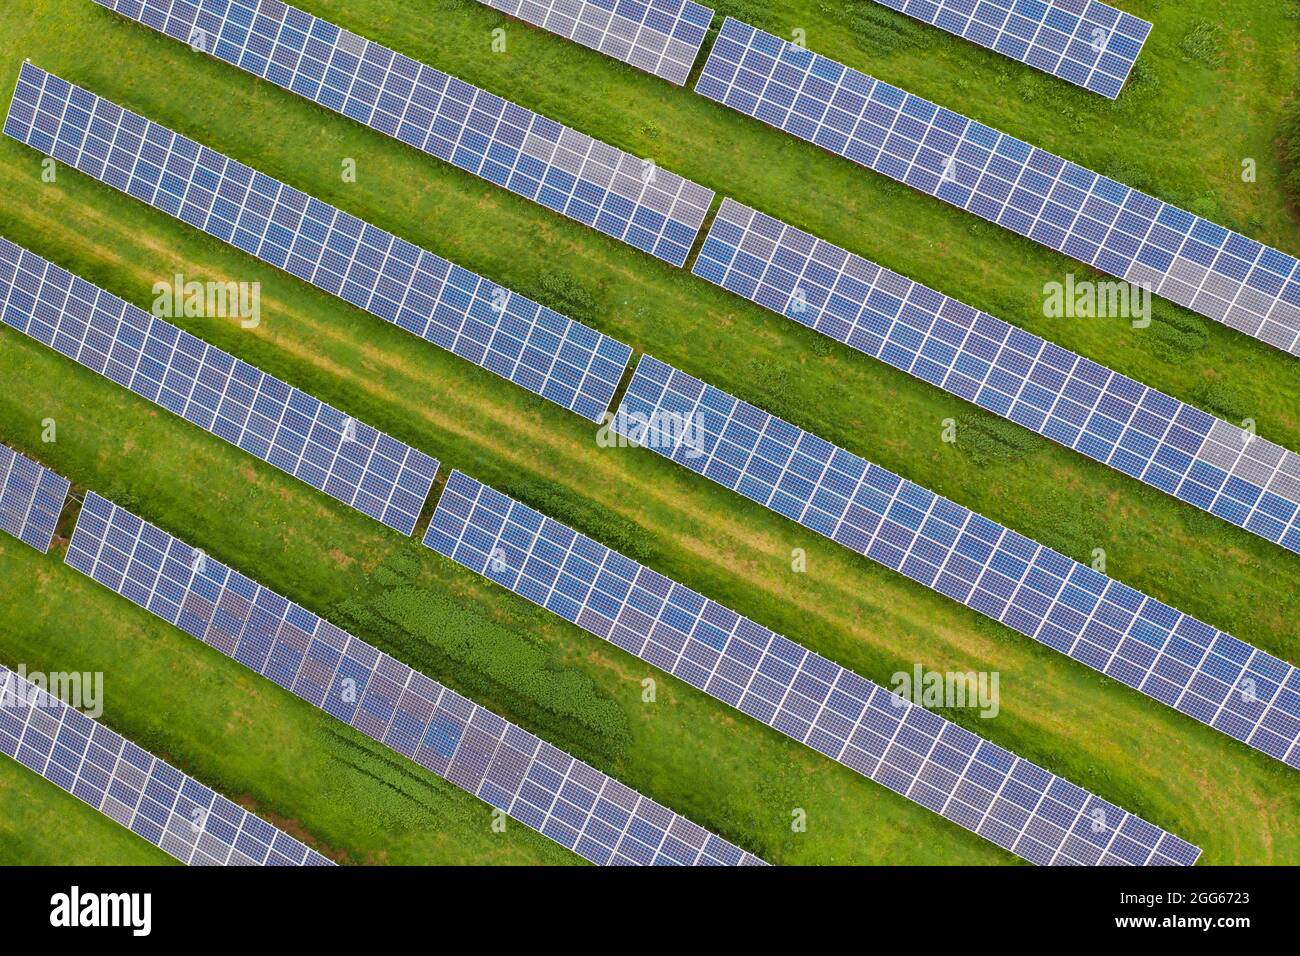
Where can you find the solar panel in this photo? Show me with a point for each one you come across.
(1109, 417)
(1223, 682)
(931, 761)
(623, 196)
(1217, 273)
(455, 309)
(130, 786)
(1084, 42)
(662, 37)
(543, 788)
(302, 436)
(31, 499)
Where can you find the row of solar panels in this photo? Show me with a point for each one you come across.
(1170, 445)
(1203, 461)
(982, 787)
(1167, 655)
(1218, 273)
(31, 499)
(143, 793)
(1123, 232)
(547, 790)
(951, 771)
(565, 799)
(464, 313)
(81, 756)
(621, 195)
(1085, 42)
(271, 420)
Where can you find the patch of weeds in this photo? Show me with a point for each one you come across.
(989, 441)
(566, 295)
(1223, 400)
(1204, 43)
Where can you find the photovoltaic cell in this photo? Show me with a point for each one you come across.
(621, 195)
(1167, 655)
(1219, 274)
(975, 784)
(130, 786)
(566, 800)
(302, 436)
(1084, 42)
(1111, 418)
(31, 499)
(496, 329)
(662, 37)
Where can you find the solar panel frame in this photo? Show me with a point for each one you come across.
(538, 785)
(274, 422)
(661, 37)
(623, 196)
(982, 787)
(1242, 478)
(141, 792)
(496, 329)
(1122, 232)
(31, 499)
(1147, 645)
(1085, 42)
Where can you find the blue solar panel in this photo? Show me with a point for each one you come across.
(143, 793)
(31, 497)
(566, 800)
(1167, 655)
(302, 436)
(1084, 42)
(621, 195)
(505, 333)
(975, 784)
(662, 37)
(1217, 273)
(1161, 441)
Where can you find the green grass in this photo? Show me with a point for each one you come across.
(41, 825)
(686, 750)
(299, 768)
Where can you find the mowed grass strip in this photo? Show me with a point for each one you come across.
(1059, 714)
(41, 825)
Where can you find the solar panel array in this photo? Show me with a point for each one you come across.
(1084, 42)
(1167, 655)
(496, 329)
(1109, 417)
(148, 796)
(621, 195)
(977, 785)
(31, 499)
(568, 801)
(662, 37)
(302, 436)
(1125, 233)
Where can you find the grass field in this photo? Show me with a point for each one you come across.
(1203, 99)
